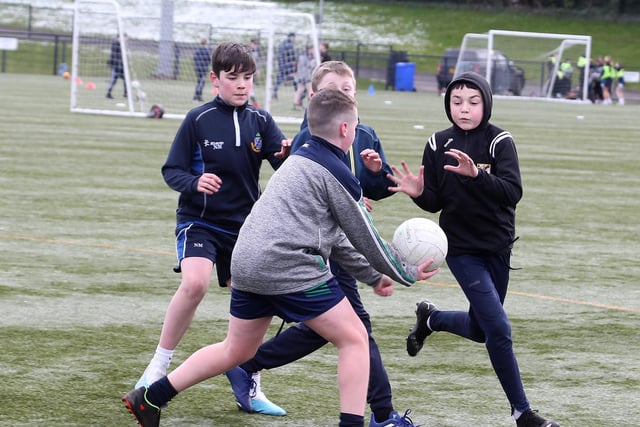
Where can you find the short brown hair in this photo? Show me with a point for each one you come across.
(327, 109)
(231, 56)
(338, 67)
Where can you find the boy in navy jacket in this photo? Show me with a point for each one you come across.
(214, 163)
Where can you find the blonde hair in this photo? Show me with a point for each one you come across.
(337, 67)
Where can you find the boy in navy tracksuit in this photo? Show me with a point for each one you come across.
(214, 163)
(471, 174)
(367, 162)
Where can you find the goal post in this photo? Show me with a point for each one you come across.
(529, 65)
(158, 53)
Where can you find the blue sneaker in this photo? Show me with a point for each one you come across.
(249, 396)
(241, 384)
(150, 375)
(395, 420)
(259, 401)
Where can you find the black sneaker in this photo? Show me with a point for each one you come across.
(146, 413)
(420, 331)
(531, 418)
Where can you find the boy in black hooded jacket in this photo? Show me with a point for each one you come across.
(470, 172)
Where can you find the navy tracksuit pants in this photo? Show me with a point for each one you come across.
(484, 280)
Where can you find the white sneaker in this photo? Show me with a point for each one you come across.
(150, 375)
(260, 403)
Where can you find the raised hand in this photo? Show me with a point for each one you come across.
(406, 182)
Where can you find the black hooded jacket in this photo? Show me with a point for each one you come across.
(477, 214)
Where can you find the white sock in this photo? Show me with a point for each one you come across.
(157, 368)
(256, 392)
(256, 379)
(162, 358)
(516, 414)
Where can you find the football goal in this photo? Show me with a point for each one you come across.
(157, 53)
(529, 65)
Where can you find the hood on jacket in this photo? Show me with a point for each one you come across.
(478, 82)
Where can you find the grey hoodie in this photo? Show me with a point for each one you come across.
(311, 210)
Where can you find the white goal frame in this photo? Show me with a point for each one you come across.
(565, 41)
(271, 29)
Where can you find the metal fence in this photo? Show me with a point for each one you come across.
(50, 53)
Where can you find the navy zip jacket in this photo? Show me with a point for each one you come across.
(374, 185)
(230, 142)
(478, 214)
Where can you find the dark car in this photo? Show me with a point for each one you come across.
(505, 76)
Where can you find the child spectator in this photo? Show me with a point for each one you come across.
(201, 61)
(306, 64)
(619, 72)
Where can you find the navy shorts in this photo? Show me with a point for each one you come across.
(294, 307)
(202, 240)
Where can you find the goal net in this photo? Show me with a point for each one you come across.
(529, 65)
(157, 54)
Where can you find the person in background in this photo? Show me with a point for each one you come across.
(324, 52)
(306, 65)
(581, 64)
(116, 64)
(257, 56)
(595, 88)
(214, 163)
(470, 173)
(201, 61)
(286, 64)
(367, 161)
(619, 74)
(606, 80)
(279, 273)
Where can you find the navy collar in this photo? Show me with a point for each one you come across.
(333, 148)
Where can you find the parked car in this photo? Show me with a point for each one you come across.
(505, 76)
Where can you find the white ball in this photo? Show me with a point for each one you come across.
(420, 239)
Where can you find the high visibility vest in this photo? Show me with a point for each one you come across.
(582, 62)
(565, 70)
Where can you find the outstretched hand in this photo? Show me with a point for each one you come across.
(406, 182)
(465, 164)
